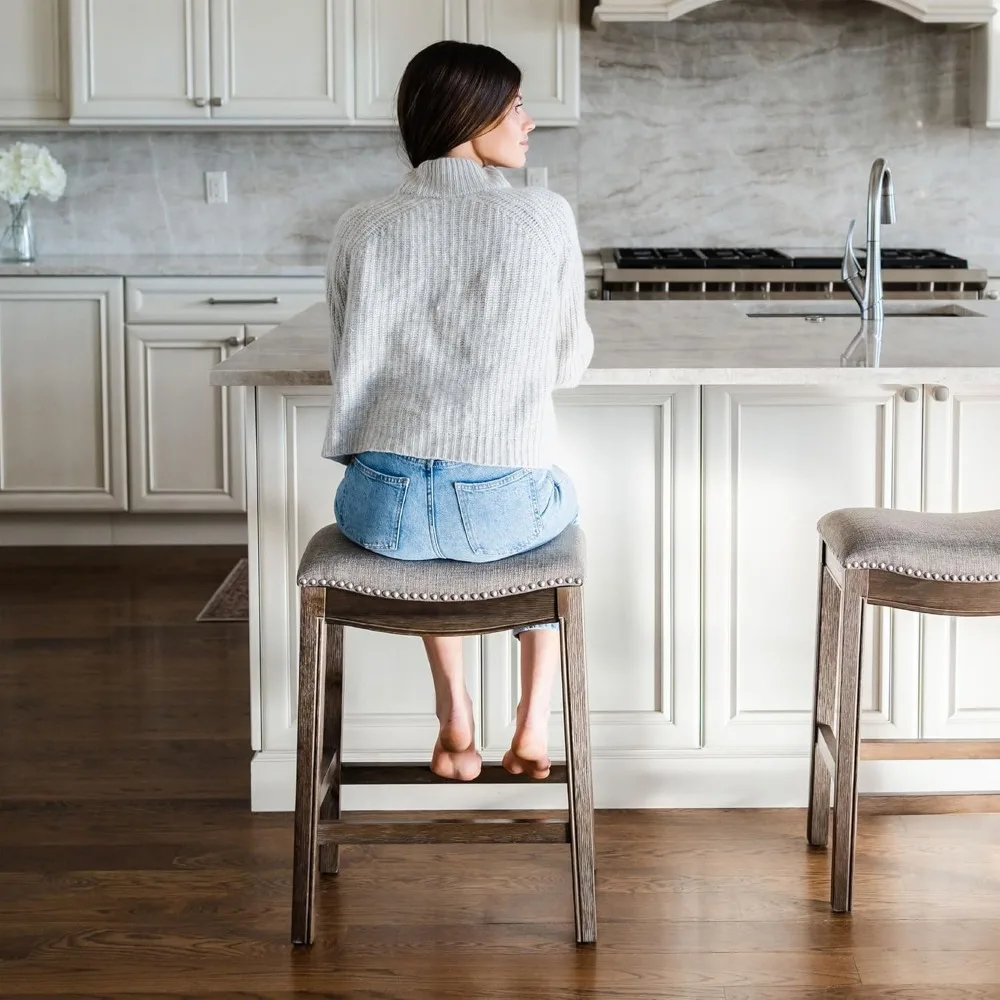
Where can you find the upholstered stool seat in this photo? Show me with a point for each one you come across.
(947, 564)
(341, 585)
(962, 547)
(331, 560)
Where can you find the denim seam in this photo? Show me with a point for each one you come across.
(381, 477)
(431, 519)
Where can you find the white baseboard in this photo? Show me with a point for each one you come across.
(689, 782)
(123, 529)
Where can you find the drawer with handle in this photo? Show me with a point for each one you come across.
(219, 300)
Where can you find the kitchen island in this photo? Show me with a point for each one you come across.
(732, 426)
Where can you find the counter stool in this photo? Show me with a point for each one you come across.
(939, 564)
(343, 584)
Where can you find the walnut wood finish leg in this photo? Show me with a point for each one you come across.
(824, 703)
(845, 804)
(333, 729)
(307, 776)
(580, 790)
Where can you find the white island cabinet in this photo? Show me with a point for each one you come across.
(960, 677)
(776, 460)
(705, 446)
(62, 395)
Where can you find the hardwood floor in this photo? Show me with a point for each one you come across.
(130, 865)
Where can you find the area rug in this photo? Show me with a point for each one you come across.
(231, 600)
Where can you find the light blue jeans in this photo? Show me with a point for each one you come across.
(415, 508)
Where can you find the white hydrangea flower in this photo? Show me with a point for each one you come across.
(28, 170)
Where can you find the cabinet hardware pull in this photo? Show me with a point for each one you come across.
(200, 102)
(233, 342)
(250, 340)
(273, 301)
(216, 102)
(910, 394)
(941, 393)
(993, 294)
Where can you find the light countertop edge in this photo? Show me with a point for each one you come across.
(692, 343)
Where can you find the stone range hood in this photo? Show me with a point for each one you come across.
(981, 16)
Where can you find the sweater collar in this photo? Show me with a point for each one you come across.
(453, 175)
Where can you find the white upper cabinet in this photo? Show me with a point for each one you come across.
(986, 73)
(388, 33)
(543, 38)
(283, 62)
(139, 59)
(301, 62)
(156, 61)
(32, 86)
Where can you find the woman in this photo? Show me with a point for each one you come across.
(457, 306)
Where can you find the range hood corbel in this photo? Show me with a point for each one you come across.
(982, 16)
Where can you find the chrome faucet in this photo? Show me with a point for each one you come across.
(866, 286)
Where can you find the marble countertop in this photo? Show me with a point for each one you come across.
(702, 343)
(306, 265)
(170, 265)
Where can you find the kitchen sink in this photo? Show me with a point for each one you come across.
(818, 312)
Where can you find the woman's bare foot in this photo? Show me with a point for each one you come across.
(455, 755)
(464, 765)
(528, 753)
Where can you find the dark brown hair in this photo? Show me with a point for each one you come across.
(452, 92)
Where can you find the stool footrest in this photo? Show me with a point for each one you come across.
(444, 831)
(421, 774)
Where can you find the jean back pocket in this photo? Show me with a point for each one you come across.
(369, 506)
(500, 517)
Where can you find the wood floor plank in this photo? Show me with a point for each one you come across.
(925, 967)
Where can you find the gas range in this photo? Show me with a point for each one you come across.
(772, 273)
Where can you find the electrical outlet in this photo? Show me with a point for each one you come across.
(215, 187)
(537, 177)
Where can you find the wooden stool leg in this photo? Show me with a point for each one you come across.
(845, 802)
(333, 729)
(580, 788)
(824, 703)
(307, 777)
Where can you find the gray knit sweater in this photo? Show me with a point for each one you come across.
(456, 307)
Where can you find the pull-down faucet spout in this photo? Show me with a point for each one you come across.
(866, 285)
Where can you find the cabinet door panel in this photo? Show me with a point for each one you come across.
(389, 710)
(641, 592)
(543, 38)
(389, 33)
(292, 63)
(31, 60)
(139, 59)
(776, 460)
(61, 395)
(961, 679)
(185, 436)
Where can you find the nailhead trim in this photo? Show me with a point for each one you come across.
(927, 574)
(562, 581)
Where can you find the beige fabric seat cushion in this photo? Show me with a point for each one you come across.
(331, 560)
(962, 547)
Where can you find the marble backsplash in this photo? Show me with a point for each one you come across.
(749, 122)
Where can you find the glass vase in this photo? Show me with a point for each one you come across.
(17, 243)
